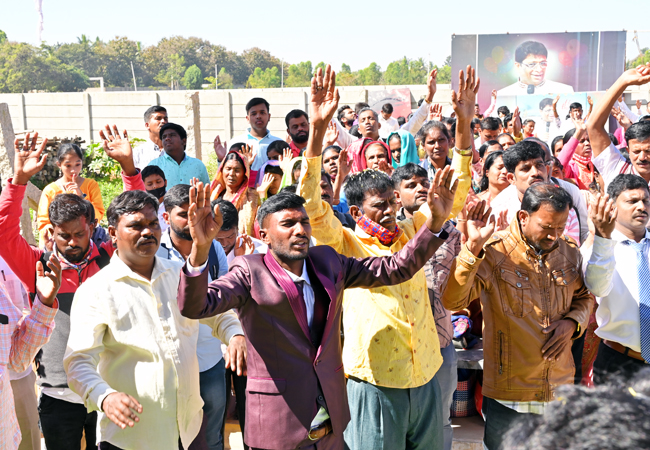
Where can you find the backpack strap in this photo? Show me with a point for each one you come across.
(213, 263)
(104, 258)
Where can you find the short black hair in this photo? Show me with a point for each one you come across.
(406, 172)
(401, 121)
(152, 170)
(528, 121)
(639, 131)
(269, 168)
(366, 182)
(290, 189)
(153, 110)
(483, 148)
(545, 194)
(626, 182)
(374, 113)
(484, 183)
(529, 48)
(257, 101)
(522, 151)
(568, 135)
(295, 114)
(359, 106)
(279, 202)
(490, 123)
(503, 110)
(229, 214)
(173, 126)
(327, 176)
(341, 112)
(129, 202)
(178, 195)
(387, 108)
(575, 105)
(545, 102)
(507, 120)
(610, 416)
(68, 207)
(66, 149)
(475, 121)
(277, 146)
(354, 131)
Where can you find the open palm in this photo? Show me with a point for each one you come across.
(116, 146)
(441, 193)
(28, 161)
(464, 99)
(480, 226)
(203, 225)
(324, 97)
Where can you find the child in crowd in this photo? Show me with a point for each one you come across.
(269, 179)
(69, 158)
(156, 184)
(275, 150)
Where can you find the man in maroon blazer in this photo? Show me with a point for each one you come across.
(289, 303)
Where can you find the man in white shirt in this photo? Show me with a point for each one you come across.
(175, 245)
(257, 136)
(154, 118)
(531, 62)
(388, 123)
(131, 355)
(617, 273)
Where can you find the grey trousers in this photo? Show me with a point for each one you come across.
(447, 376)
(394, 419)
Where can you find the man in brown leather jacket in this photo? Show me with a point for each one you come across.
(534, 301)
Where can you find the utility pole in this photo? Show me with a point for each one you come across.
(216, 77)
(282, 73)
(135, 86)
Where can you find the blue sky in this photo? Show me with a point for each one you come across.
(365, 31)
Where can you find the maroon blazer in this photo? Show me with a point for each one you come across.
(286, 372)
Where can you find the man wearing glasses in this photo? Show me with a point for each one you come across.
(531, 62)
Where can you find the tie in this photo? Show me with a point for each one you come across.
(300, 285)
(643, 274)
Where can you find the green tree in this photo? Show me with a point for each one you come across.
(174, 72)
(116, 57)
(193, 77)
(641, 59)
(3, 36)
(268, 78)
(299, 75)
(321, 65)
(225, 80)
(370, 76)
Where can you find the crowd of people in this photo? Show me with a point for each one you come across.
(316, 277)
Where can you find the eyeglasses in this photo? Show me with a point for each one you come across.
(542, 64)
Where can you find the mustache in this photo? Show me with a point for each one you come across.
(386, 219)
(143, 241)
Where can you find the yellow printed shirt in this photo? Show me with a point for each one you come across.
(390, 333)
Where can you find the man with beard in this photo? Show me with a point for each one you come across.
(534, 303)
(346, 117)
(605, 156)
(175, 245)
(298, 128)
(63, 416)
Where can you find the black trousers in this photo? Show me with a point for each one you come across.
(611, 364)
(238, 383)
(63, 424)
(498, 420)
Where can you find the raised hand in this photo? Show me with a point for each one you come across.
(120, 408)
(244, 245)
(590, 101)
(464, 99)
(118, 147)
(441, 198)
(324, 98)
(331, 135)
(494, 94)
(432, 80)
(343, 165)
(285, 160)
(263, 188)
(621, 118)
(384, 167)
(602, 213)
(248, 154)
(480, 227)
(204, 223)
(555, 100)
(48, 283)
(435, 112)
(220, 149)
(516, 121)
(502, 220)
(635, 77)
(28, 161)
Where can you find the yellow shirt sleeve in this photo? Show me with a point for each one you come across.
(94, 196)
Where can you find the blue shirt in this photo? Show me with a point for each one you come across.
(258, 145)
(181, 173)
(208, 347)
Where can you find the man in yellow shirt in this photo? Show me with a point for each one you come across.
(391, 351)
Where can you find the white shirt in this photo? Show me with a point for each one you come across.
(546, 87)
(257, 145)
(307, 291)
(128, 335)
(610, 163)
(161, 220)
(387, 126)
(611, 275)
(260, 247)
(144, 153)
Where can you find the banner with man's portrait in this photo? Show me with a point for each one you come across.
(539, 63)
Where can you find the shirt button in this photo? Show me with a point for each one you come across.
(518, 285)
(472, 260)
(320, 397)
(406, 296)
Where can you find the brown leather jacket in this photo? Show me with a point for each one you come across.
(521, 293)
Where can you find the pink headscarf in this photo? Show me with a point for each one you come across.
(359, 154)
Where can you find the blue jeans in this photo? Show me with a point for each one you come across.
(394, 419)
(447, 376)
(213, 392)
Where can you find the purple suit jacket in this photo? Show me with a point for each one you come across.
(286, 372)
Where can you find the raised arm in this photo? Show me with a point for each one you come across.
(417, 120)
(119, 148)
(598, 137)
(569, 149)
(324, 100)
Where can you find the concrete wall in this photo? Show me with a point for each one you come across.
(207, 112)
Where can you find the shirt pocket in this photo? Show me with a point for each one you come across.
(563, 281)
(273, 386)
(516, 292)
